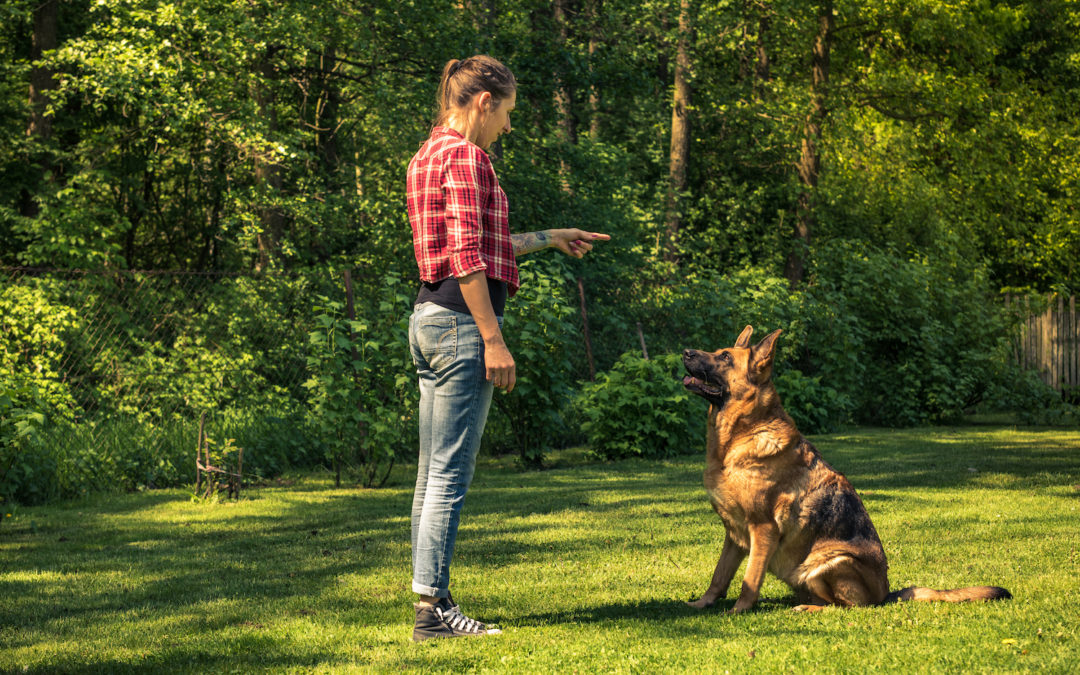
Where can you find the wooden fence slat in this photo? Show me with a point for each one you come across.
(1063, 377)
(1041, 346)
(1049, 341)
(1075, 343)
(1028, 345)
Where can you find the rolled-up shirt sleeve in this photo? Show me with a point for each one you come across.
(468, 180)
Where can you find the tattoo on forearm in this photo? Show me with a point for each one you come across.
(530, 241)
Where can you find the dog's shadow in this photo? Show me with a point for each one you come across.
(648, 610)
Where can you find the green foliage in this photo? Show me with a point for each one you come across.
(931, 339)
(211, 136)
(1023, 393)
(707, 311)
(531, 419)
(228, 458)
(640, 408)
(815, 407)
(122, 366)
(35, 326)
(362, 402)
(21, 422)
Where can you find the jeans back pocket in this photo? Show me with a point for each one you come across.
(437, 338)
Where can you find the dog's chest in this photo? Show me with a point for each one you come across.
(733, 492)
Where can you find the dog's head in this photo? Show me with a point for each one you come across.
(736, 372)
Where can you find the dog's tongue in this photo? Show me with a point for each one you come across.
(688, 380)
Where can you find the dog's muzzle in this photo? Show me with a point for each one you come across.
(698, 380)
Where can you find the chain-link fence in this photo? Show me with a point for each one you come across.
(126, 362)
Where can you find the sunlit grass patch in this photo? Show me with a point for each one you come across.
(584, 565)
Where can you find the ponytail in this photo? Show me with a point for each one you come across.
(463, 79)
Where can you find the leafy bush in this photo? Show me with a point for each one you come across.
(814, 406)
(1033, 401)
(930, 342)
(35, 327)
(640, 408)
(540, 336)
(24, 477)
(707, 311)
(363, 401)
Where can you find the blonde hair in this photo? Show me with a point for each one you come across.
(462, 80)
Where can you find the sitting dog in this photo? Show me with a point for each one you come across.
(782, 505)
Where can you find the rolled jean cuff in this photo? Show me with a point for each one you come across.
(429, 590)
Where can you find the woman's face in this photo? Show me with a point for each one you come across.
(497, 121)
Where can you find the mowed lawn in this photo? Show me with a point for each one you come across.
(585, 565)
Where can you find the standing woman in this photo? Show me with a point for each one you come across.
(466, 254)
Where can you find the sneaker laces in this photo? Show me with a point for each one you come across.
(458, 621)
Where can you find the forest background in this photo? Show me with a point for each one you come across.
(871, 177)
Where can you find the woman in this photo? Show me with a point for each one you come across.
(466, 256)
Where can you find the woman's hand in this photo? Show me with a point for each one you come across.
(499, 365)
(574, 242)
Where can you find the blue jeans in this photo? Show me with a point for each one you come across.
(454, 401)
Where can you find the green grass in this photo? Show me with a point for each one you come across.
(585, 566)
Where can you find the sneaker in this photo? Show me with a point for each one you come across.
(446, 620)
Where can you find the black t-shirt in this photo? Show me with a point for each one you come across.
(447, 293)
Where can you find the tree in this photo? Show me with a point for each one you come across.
(809, 165)
(680, 133)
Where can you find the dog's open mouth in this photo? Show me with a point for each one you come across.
(702, 387)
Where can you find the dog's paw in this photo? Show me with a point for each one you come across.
(700, 603)
(808, 608)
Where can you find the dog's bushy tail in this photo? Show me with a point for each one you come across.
(955, 595)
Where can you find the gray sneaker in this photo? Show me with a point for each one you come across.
(446, 620)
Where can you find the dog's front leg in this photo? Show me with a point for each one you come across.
(763, 540)
(731, 555)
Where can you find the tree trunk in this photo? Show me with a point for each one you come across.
(680, 135)
(809, 165)
(326, 114)
(268, 172)
(41, 78)
(43, 39)
(594, 10)
(761, 68)
(563, 96)
(564, 105)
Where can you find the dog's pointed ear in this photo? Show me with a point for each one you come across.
(744, 338)
(761, 357)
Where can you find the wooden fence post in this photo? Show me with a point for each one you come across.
(585, 324)
(1074, 346)
(1059, 344)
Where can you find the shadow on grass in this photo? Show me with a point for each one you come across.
(100, 561)
(664, 616)
(953, 457)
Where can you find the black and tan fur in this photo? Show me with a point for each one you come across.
(783, 506)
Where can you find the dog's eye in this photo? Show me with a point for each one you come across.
(725, 357)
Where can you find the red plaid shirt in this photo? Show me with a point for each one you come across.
(458, 213)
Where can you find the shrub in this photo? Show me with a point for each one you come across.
(35, 327)
(814, 406)
(704, 311)
(930, 343)
(640, 408)
(539, 334)
(26, 476)
(363, 401)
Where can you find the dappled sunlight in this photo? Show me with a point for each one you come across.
(316, 576)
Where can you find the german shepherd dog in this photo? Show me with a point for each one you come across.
(782, 505)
